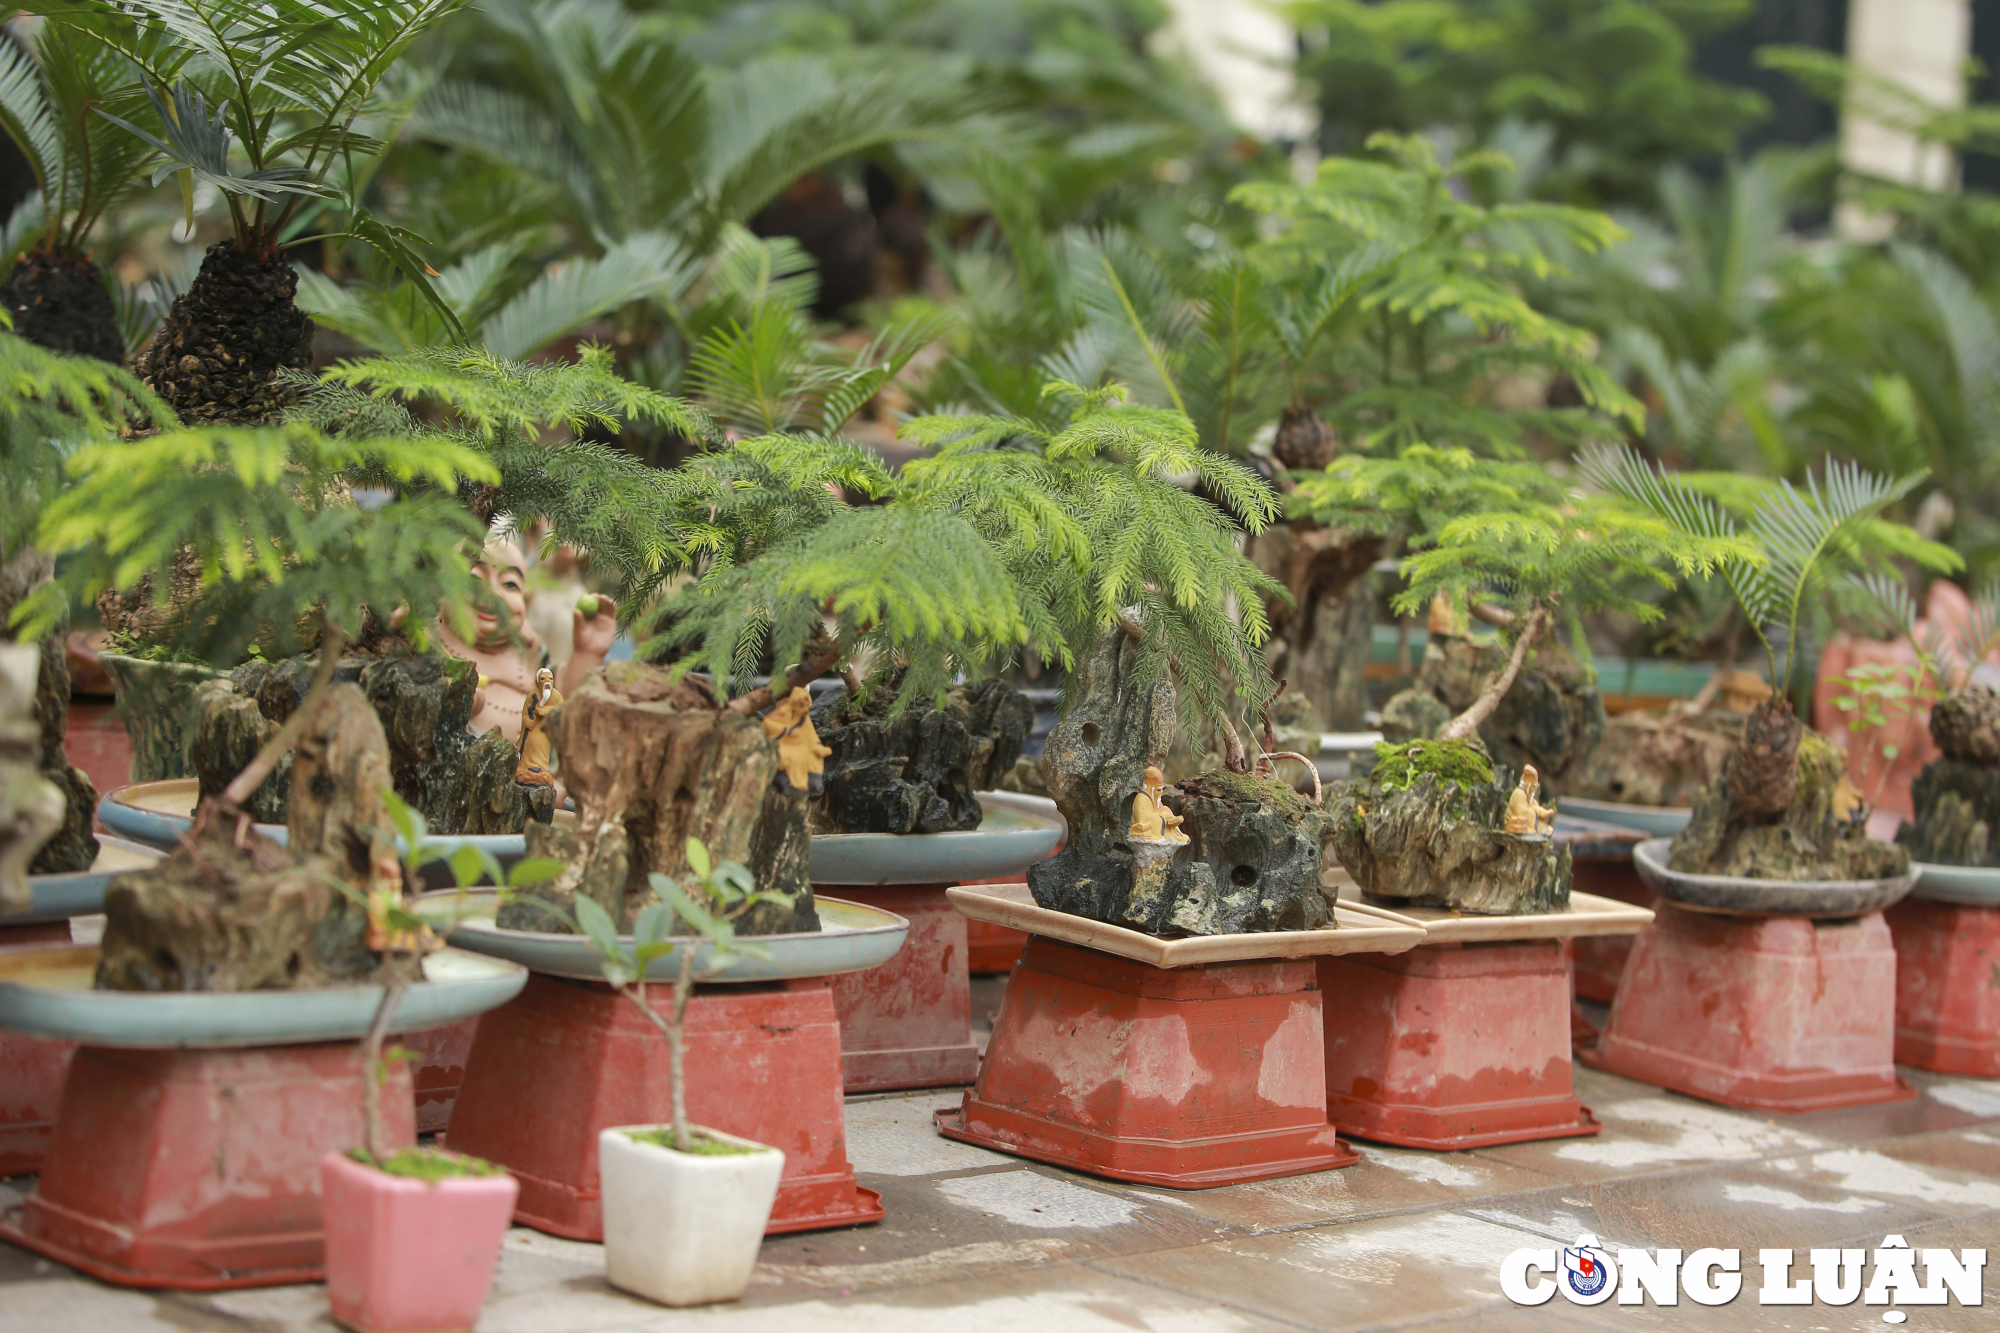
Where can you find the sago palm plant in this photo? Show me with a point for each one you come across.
(258, 101)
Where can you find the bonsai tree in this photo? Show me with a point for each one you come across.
(1531, 558)
(53, 102)
(1778, 810)
(48, 402)
(260, 104)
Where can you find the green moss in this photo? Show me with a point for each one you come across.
(1460, 762)
(1254, 788)
(428, 1164)
(699, 1145)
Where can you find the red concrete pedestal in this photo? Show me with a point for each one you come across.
(992, 950)
(1185, 1077)
(908, 1023)
(95, 742)
(1947, 986)
(1600, 959)
(567, 1059)
(1767, 1013)
(440, 1054)
(199, 1170)
(1451, 1046)
(31, 1072)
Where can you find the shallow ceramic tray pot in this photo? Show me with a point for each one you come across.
(406, 1255)
(46, 991)
(1733, 896)
(1017, 831)
(851, 938)
(1974, 886)
(684, 1228)
(1662, 821)
(81, 892)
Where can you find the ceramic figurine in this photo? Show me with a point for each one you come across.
(507, 665)
(801, 758)
(1152, 821)
(535, 742)
(1524, 815)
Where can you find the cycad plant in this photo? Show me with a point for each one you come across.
(1800, 541)
(258, 102)
(53, 101)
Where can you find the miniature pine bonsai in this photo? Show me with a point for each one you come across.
(1780, 809)
(83, 166)
(1530, 557)
(277, 86)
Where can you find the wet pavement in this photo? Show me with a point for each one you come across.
(975, 1240)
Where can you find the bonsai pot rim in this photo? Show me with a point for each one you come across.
(1970, 886)
(1662, 821)
(861, 937)
(1731, 895)
(81, 892)
(46, 991)
(1030, 829)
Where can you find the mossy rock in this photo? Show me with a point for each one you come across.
(1957, 823)
(1805, 843)
(1465, 763)
(1433, 841)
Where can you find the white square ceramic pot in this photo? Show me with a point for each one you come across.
(679, 1228)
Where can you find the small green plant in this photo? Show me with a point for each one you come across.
(1871, 690)
(710, 900)
(400, 929)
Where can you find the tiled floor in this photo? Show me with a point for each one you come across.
(976, 1241)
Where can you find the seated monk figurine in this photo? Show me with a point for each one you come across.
(508, 666)
(801, 758)
(1152, 821)
(1524, 815)
(536, 746)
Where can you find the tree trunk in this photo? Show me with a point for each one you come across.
(1327, 627)
(1763, 773)
(60, 302)
(218, 352)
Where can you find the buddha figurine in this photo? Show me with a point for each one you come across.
(1524, 814)
(1152, 821)
(536, 745)
(507, 663)
(801, 758)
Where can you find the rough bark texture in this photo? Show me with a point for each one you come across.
(652, 762)
(1658, 758)
(156, 702)
(1434, 840)
(1804, 842)
(31, 808)
(1254, 848)
(459, 781)
(1957, 798)
(213, 916)
(1324, 630)
(1966, 725)
(1552, 717)
(1763, 772)
(217, 354)
(920, 772)
(72, 846)
(1093, 762)
(1305, 441)
(60, 302)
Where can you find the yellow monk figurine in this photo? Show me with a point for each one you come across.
(1151, 820)
(1524, 814)
(536, 745)
(801, 758)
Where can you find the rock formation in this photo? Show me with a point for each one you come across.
(919, 772)
(71, 846)
(1552, 718)
(1658, 758)
(31, 807)
(1427, 827)
(653, 761)
(1807, 840)
(1957, 797)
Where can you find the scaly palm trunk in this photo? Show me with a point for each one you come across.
(59, 301)
(217, 354)
(1763, 772)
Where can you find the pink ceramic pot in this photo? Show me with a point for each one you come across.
(407, 1256)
